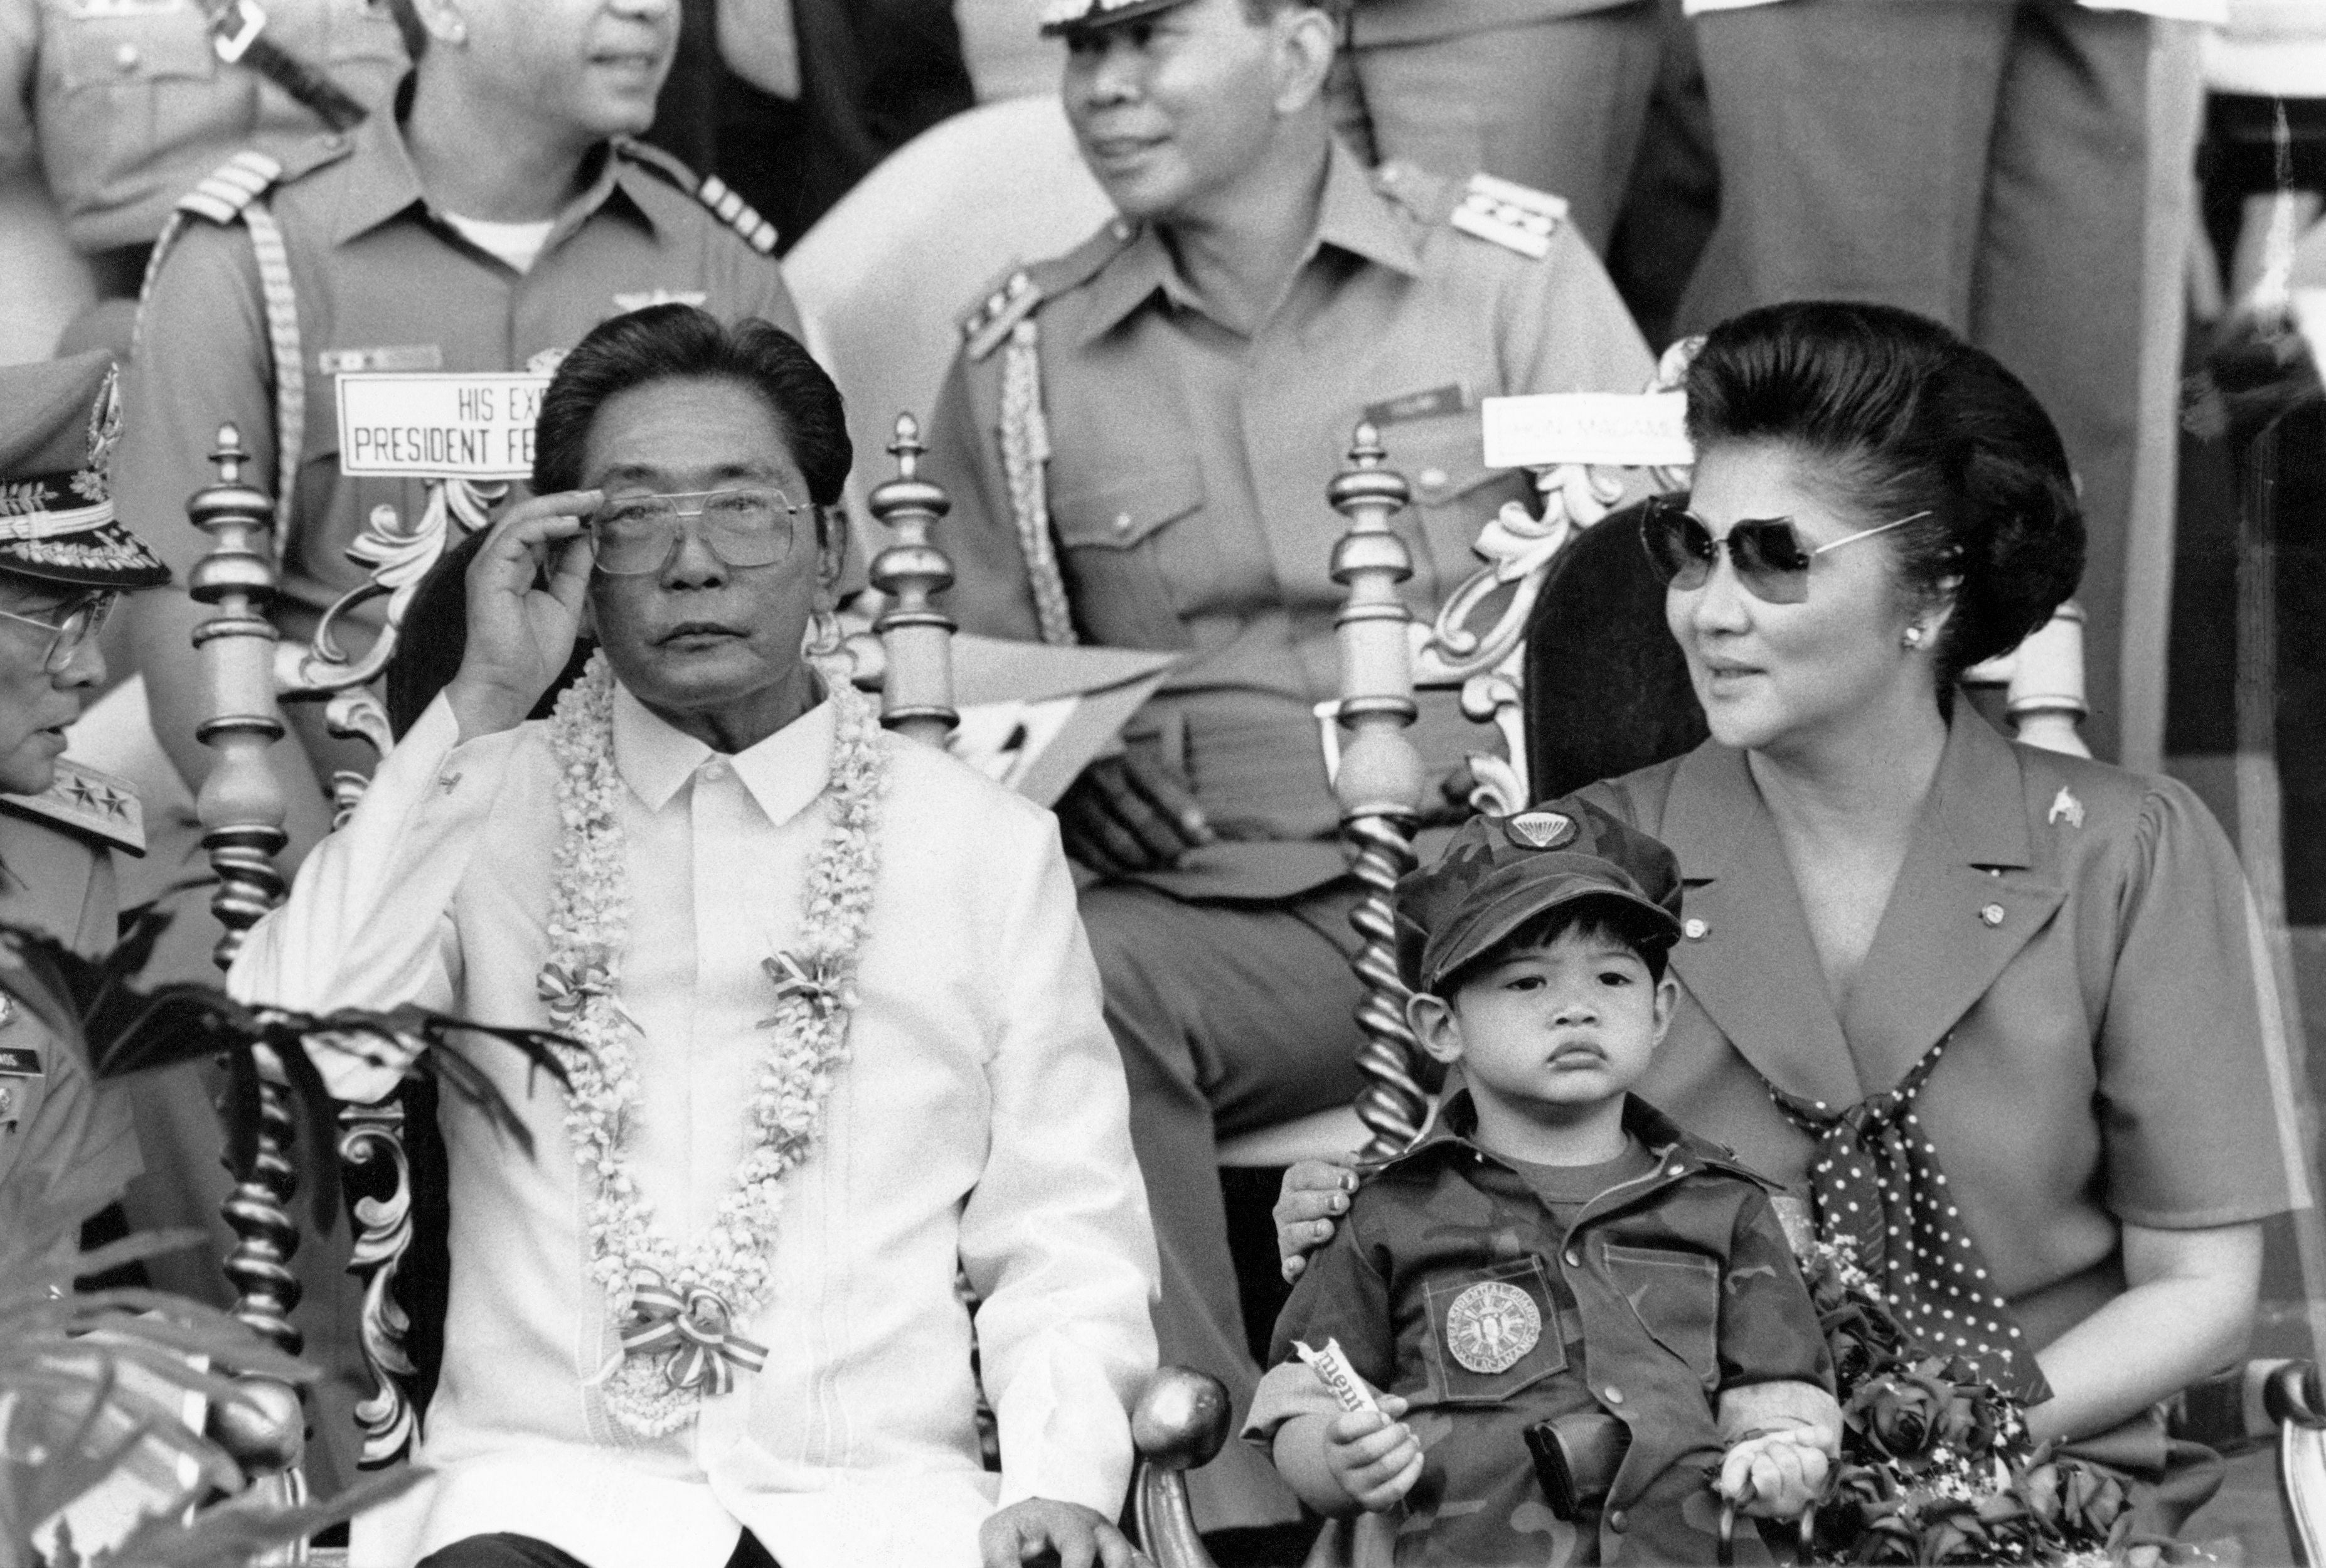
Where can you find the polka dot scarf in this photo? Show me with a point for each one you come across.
(1876, 1182)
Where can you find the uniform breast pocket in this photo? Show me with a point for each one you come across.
(104, 47)
(1676, 1296)
(1454, 493)
(1129, 568)
(1492, 1331)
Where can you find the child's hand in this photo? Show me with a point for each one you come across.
(1374, 1456)
(1774, 1476)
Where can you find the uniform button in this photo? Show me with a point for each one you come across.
(1433, 478)
(1574, 1258)
(124, 56)
(1618, 1520)
(1992, 915)
(1123, 522)
(715, 769)
(1694, 930)
(1614, 1395)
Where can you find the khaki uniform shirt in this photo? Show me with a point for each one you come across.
(2083, 938)
(1188, 466)
(381, 282)
(57, 1128)
(129, 105)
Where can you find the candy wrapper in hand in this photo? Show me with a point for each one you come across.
(1333, 1365)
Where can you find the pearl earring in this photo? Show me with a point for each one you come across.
(1913, 637)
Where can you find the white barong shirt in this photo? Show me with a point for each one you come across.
(983, 1117)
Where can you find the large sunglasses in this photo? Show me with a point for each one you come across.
(69, 627)
(636, 535)
(1769, 559)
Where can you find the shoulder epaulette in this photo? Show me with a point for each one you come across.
(1515, 217)
(1012, 297)
(89, 801)
(233, 185)
(721, 199)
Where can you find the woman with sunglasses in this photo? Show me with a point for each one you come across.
(64, 560)
(1992, 1013)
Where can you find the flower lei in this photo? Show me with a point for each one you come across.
(675, 1307)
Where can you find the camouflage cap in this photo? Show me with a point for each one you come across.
(1500, 872)
(59, 420)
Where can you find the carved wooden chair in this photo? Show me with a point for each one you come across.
(1567, 580)
(1181, 1419)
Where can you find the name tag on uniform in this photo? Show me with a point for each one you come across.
(19, 1061)
(436, 427)
(1612, 428)
(1454, 398)
(355, 361)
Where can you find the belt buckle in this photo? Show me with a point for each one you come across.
(233, 28)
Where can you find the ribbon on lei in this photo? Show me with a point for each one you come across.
(817, 984)
(705, 1353)
(566, 990)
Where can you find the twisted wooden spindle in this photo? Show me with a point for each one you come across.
(1380, 782)
(917, 697)
(242, 810)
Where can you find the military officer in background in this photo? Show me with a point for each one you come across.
(1137, 436)
(128, 103)
(64, 560)
(498, 211)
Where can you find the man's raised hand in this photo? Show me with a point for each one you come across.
(526, 587)
(1040, 1530)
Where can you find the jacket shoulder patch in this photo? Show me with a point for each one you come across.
(1515, 217)
(1009, 302)
(1010, 298)
(723, 203)
(221, 195)
(87, 802)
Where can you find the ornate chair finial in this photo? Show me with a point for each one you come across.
(1380, 780)
(917, 697)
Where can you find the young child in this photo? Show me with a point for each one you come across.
(1589, 1320)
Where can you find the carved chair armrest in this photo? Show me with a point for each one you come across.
(1179, 1424)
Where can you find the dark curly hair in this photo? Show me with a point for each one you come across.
(1899, 415)
(682, 343)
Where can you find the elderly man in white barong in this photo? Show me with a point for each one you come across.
(837, 1037)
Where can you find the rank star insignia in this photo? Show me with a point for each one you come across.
(2066, 808)
(1541, 830)
(1491, 1325)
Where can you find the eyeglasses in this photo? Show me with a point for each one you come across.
(636, 535)
(1769, 559)
(73, 624)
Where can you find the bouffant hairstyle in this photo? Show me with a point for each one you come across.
(682, 343)
(1897, 415)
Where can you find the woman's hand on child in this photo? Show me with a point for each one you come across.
(1774, 1476)
(1373, 1455)
(1314, 1193)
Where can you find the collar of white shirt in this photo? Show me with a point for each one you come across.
(785, 772)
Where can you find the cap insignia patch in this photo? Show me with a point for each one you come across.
(1541, 830)
(1490, 1326)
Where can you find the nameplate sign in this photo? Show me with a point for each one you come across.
(1620, 431)
(422, 426)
